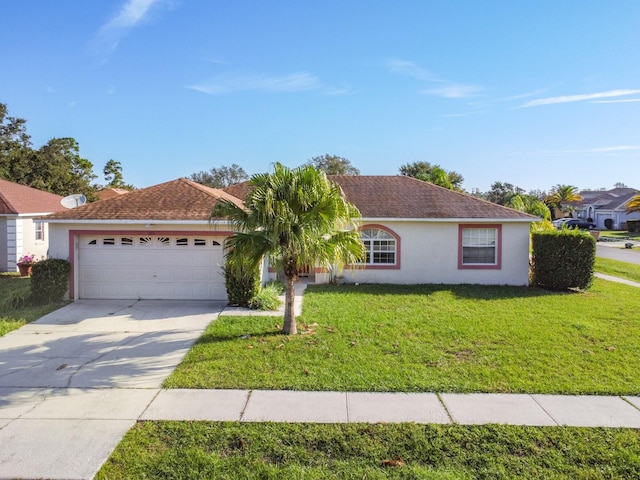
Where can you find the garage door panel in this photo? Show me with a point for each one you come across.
(150, 268)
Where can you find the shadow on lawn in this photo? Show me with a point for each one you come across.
(479, 292)
(216, 338)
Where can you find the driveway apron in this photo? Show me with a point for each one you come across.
(73, 382)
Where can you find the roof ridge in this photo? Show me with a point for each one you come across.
(7, 202)
(203, 188)
(217, 193)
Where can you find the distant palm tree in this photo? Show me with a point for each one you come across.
(634, 204)
(562, 194)
(295, 217)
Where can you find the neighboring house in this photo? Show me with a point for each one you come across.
(606, 208)
(107, 193)
(19, 233)
(159, 243)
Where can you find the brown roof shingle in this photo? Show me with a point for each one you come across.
(179, 199)
(397, 196)
(375, 196)
(20, 199)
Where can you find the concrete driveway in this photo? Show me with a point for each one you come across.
(73, 382)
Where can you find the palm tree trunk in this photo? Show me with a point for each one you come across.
(290, 327)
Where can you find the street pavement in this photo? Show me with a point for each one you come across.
(617, 251)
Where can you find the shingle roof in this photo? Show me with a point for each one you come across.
(20, 199)
(397, 196)
(106, 193)
(179, 199)
(613, 199)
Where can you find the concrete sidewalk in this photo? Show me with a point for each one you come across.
(611, 278)
(351, 407)
(68, 433)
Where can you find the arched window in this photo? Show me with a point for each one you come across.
(381, 246)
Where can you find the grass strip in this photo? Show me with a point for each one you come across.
(438, 338)
(203, 450)
(15, 309)
(630, 271)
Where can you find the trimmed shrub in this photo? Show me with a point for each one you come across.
(242, 281)
(563, 259)
(50, 280)
(267, 298)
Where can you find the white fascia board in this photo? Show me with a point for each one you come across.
(24, 214)
(453, 220)
(138, 222)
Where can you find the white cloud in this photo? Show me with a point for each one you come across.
(454, 91)
(444, 88)
(295, 82)
(599, 150)
(579, 98)
(627, 100)
(130, 15)
(411, 69)
(507, 99)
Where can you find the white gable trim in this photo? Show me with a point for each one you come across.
(452, 220)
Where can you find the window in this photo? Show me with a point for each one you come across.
(39, 231)
(479, 246)
(199, 242)
(108, 241)
(380, 246)
(182, 242)
(126, 241)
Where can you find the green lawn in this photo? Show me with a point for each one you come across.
(203, 450)
(15, 312)
(630, 271)
(431, 338)
(619, 234)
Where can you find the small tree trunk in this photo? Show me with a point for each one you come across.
(290, 327)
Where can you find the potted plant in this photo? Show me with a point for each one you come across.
(25, 263)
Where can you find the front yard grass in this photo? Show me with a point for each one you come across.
(619, 234)
(630, 271)
(190, 450)
(462, 338)
(15, 310)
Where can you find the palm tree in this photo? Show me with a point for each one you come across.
(634, 204)
(561, 194)
(295, 217)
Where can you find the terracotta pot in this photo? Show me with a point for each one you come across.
(25, 270)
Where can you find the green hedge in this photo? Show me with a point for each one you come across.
(242, 281)
(49, 280)
(563, 259)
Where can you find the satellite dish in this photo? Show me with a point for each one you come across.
(73, 201)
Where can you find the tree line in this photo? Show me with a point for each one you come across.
(55, 167)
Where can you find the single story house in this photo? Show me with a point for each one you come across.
(19, 233)
(159, 242)
(606, 208)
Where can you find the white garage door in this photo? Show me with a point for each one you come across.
(151, 267)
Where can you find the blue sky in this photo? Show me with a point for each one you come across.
(531, 93)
